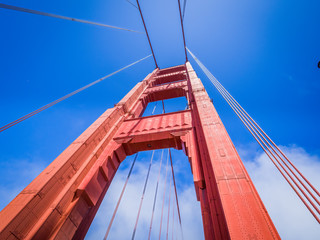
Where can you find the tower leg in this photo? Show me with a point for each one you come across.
(237, 211)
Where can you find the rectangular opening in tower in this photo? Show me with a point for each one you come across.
(171, 105)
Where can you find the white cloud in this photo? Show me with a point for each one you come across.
(16, 174)
(291, 218)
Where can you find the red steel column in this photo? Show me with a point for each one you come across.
(62, 201)
(236, 210)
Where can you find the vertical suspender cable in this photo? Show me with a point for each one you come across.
(261, 137)
(156, 191)
(154, 108)
(142, 197)
(145, 28)
(164, 195)
(119, 200)
(167, 235)
(163, 109)
(176, 194)
(172, 217)
(175, 189)
(155, 196)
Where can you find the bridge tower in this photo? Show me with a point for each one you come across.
(63, 200)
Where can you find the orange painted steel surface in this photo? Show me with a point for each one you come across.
(63, 200)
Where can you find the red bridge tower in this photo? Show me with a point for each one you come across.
(63, 200)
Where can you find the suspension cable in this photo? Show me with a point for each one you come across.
(260, 141)
(163, 109)
(184, 9)
(142, 197)
(267, 144)
(156, 191)
(132, 4)
(176, 194)
(260, 131)
(26, 10)
(155, 196)
(272, 145)
(164, 195)
(154, 108)
(145, 28)
(168, 219)
(172, 217)
(182, 29)
(175, 187)
(120, 197)
(5, 127)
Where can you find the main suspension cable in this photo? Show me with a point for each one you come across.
(256, 131)
(142, 197)
(5, 127)
(26, 10)
(262, 138)
(259, 131)
(119, 200)
(182, 29)
(145, 28)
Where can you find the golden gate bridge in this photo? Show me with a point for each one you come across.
(63, 200)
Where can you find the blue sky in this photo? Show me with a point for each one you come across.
(264, 52)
